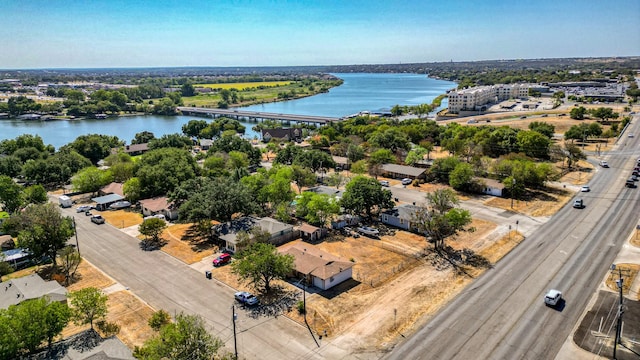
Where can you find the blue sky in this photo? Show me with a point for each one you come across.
(85, 34)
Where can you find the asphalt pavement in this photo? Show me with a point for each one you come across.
(502, 314)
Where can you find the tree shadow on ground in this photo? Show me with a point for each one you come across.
(150, 245)
(82, 342)
(198, 237)
(277, 302)
(460, 260)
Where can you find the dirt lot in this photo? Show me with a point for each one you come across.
(124, 309)
(629, 273)
(537, 204)
(121, 218)
(185, 243)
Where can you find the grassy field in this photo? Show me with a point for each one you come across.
(250, 94)
(244, 85)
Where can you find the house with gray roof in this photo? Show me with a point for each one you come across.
(87, 345)
(29, 287)
(228, 232)
(103, 202)
(401, 216)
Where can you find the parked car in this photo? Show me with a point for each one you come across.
(119, 205)
(604, 164)
(578, 204)
(630, 135)
(552, 297)
(97, 219)
(222, 259)
(369, 231)
(246, 298)
(585, 188)
(384, 183)
(156, 216)
(406, 181)
(83, 208)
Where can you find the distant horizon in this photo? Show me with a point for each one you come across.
(306, 66)
(91, 34)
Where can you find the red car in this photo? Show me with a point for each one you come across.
(222, 259)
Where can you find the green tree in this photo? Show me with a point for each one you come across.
(336, 179)
(441, 218)
(577, 113)
(162, 170)
(94, 146)
(314, 160)
(205, 199)
(543, 128)
(10, 194)
(171, 141)
(10, 166)
(260, 264)
(187, 89)
(415, 155)
(143, 137)
(187, 338)
(35, 194)
(91, 179)
(442, 167)
(379, 158)
(69, 260)
(132, 189)
(152, 228)
(534, 144)
(159, 319)
(44, 230)
(302, 177)
(321, 208)
(461, 177)
(194, 127)
(604, 114)
(35, 321)
(363, 194)
(359, 167)
(392, 139)
(87, 305)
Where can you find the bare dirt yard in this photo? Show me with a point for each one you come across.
(629, 273)
(124, 309)
(187, 243)
(121, 218)
(537, 203)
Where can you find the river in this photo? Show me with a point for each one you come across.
(372, 92)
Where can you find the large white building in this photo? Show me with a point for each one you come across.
(474, 99)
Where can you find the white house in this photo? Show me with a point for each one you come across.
(491, 186)
(159, 205)
(317, 267)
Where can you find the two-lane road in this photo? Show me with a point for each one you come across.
(502, 314)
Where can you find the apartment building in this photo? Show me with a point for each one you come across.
(475, 98)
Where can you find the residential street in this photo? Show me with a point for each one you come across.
(166, 283)
(502, 315)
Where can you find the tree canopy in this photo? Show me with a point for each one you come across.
(260, 263)
(364, 195)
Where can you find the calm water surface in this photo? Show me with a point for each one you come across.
(371, 92)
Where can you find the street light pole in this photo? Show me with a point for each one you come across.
(618, 339)
(75, 229)
(235, 342)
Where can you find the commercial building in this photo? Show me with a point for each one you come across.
(476, 98)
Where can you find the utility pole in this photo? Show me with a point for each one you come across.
(304, 300)
(513, 194)
(618, 340)
(75, 229)
(235, 342)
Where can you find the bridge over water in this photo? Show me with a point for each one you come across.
(256, 115)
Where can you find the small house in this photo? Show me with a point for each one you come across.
(318, 268)
(400, 216)
(311, 233)
(491, 186)
(228, 232)
(112, 188)
(159, 205)
(205, 144)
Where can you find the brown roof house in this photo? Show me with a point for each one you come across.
(159, 205)
(228, 232)
(403, 171)
(29, 287)
(319, 268)
(311, 233)
(113, 188)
